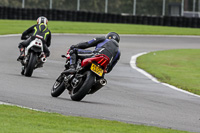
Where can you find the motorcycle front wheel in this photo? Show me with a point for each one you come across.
(83, 87)
(58, 87)
(28, 70)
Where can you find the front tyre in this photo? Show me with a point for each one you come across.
(31, 64)
(22, 72)
(86, 82)
(58, 87)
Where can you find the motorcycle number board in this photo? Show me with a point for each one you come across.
(96, 69)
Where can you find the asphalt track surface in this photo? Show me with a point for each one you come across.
(129, 96)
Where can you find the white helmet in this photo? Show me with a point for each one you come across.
(42, 20)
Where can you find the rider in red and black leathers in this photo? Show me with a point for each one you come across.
(40, 29)
(107, 45)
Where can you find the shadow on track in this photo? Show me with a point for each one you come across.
(87, 102)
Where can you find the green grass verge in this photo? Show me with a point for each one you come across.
(180, 68)
(19, 120)
(18, 26)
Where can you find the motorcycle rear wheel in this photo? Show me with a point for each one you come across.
(28, 70)
(78, 93)
(58, 87)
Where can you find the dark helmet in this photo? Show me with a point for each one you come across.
(43, 20)
(113, 35)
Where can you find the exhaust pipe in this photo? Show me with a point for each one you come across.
(103, 82)
(43, 59)
(98, 85)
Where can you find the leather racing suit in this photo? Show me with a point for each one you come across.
(30, 34)
(109, 47)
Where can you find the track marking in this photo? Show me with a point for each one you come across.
(3, 103)
(10, 35)
(133, 65)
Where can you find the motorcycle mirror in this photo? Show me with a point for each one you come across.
(63, 56)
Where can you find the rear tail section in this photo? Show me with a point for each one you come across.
(101, 60)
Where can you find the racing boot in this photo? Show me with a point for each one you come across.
(72, 67)
(71, 70)
(22, 54)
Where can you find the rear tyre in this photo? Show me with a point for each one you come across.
(58, 87)
(86, 82)
(31, 65)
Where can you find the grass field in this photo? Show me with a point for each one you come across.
(180, 67)
(18, 26)
(176, 71)
(17, 120)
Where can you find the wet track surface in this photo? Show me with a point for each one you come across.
(129, 96)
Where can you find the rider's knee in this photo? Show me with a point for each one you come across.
(73, 51)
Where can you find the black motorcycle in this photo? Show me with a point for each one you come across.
(88, 79)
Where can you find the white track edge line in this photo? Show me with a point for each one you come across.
(4, 103)
(133, 65)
